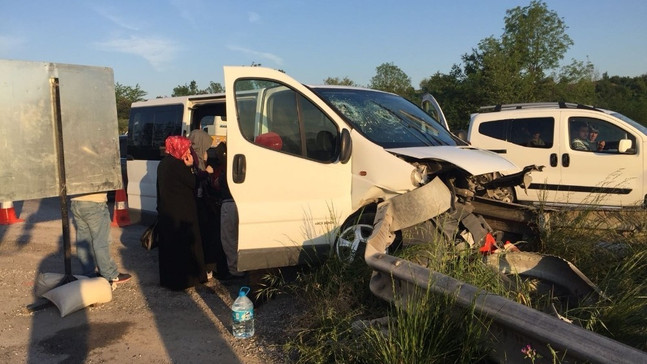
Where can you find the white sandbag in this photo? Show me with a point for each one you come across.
(79, 294)
(46, 281)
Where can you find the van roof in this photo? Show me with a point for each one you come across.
(537, 105)
(178, 99)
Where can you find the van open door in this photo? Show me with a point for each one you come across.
(432, 107)
(283, 168)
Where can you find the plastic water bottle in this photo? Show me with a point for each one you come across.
(243, 315)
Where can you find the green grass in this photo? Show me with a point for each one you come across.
(428, 330)
(617, 262)
(335, 295)
(338, 301)
(335, 326)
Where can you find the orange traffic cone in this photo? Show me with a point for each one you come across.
(8, 214)
(121, 216)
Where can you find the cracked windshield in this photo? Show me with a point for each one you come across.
(387, 120)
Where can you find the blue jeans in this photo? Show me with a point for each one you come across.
(229, 233)
(92, 221)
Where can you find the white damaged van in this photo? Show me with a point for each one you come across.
(304, 161)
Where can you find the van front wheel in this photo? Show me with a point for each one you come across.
(350, 244)
(351, 241)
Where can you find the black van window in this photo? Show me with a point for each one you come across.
(495, 129)
(149, 127)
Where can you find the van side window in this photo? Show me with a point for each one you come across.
(595, 135)
(494, 129)
(285, 121)
(532, 132)
(527, 132)
(320, 133)
(149, 127)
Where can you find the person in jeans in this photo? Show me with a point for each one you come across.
(229, 229)
(92, 221)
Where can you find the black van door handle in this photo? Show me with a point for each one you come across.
(238, 168)
(566, 160)
(553, 160)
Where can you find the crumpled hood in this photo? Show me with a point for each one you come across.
(473, 160)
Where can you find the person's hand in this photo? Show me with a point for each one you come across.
(209, 169)
(188, 159)
(601, 144)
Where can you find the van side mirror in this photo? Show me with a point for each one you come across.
(345, 146)
(624, 145)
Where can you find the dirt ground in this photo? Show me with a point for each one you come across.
(143, 323)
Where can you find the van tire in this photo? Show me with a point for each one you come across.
(504, 194)
(350, 243)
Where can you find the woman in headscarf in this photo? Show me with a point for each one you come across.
(208, 201)
(181, 259)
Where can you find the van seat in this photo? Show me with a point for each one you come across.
(271, 140)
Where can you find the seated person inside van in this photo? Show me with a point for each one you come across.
(536, 140)
(593, 144)
(581, 139)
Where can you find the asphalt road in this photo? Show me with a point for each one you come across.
(143, 323)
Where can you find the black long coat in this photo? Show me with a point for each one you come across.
(181, 258)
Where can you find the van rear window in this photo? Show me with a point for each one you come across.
(528, 132)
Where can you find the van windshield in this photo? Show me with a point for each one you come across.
(631, 122)
(386, 119)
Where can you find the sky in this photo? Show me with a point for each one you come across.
(162, 44)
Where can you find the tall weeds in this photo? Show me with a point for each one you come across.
(336, 325)
(428, 330)
(611, 249)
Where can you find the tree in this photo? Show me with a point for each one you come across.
(627, 95)
(449, 91)
(493, 72)
(187, 89)
(125, 96)
(192, 89)
(516, 67)
(536, 37)
(342, 82)
(575, 83)
(215, 88)
(391, 78)
(522, 66)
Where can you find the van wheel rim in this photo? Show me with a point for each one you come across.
(351, 240)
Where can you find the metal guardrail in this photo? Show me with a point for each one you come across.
(513, 325)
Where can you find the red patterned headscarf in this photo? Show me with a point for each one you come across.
(177, 146)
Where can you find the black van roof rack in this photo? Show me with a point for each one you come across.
(536, 105)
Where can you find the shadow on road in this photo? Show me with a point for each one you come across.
(190, 322)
